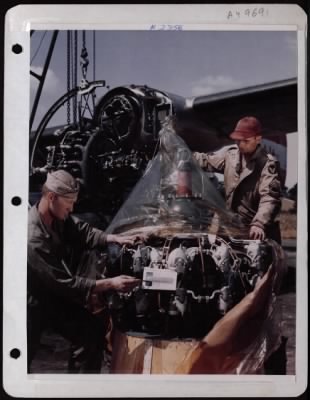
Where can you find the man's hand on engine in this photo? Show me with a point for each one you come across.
(124, 283)
(126, 239)
(121, 283)
(256, 233)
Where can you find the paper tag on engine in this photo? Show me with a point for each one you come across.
(159, 279)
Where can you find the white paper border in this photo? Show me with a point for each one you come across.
(19, 21)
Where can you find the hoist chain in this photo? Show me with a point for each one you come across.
(77, 108)
(84, 61)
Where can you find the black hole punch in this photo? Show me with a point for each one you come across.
(16, 201)
(17, 48)
(15, 353)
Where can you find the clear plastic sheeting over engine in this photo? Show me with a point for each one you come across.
(202, 279)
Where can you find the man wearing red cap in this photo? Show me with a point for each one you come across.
(251, 179)
(63, 277)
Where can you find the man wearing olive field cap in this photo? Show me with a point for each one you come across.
(251, 179)
(62, 272)
(62, 183)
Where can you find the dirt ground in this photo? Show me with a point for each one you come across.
(288, 225)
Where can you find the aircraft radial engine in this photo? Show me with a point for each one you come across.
(107, 153)
(195, 260)
(189, 281)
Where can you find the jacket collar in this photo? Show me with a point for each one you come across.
(251, 163)
(258, 152)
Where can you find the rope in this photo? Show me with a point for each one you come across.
(75, 76)
(72, 73)
(94, 55)
(93, 97)
(68, 74)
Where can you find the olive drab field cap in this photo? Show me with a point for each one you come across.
(62, 183)
(246, 128)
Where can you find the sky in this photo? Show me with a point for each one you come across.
(187, 63)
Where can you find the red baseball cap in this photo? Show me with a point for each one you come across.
(246, 128)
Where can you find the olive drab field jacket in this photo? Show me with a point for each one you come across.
(55, 257)
(253, 190)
